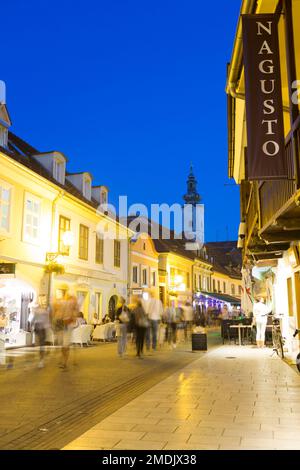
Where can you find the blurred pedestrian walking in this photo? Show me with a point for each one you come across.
(172, 317)
(122, 317)
(65, 312)
(141, 325)
(188, 317)
(154, 310)
(40, 324)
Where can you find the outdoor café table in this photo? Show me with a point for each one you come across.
(240, 326)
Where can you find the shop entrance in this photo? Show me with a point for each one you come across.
(112, 306)
(15, 299)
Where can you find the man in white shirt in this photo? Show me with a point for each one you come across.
(260, 316)
(154, 311)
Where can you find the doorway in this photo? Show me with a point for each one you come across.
(83, 303)
(112, 305)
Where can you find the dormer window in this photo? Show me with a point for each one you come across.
(59, 170)
(103, 197)
(3, 137)
(87, 190)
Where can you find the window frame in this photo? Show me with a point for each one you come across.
(86, 188)
(117, 253)
(66, 250)
(7, 187)
(144, 271)
(58, 170)
(153, 278)
(81, 246)
(28, 238)
(99, 249)
(135, 267)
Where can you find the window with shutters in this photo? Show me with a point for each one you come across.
(83, 242)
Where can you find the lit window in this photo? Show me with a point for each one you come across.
(64, 226)
(232, 289)
(135, 274)
(117, 253)
(32, 216)
(5, 204)
(83, 242)
(99, 249)
(144, 275)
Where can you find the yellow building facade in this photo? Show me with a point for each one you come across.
(144, 279)
(54, 238)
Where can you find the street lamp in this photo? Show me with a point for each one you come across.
(57, 257)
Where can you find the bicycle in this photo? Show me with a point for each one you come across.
(277, 338)
(297, 332)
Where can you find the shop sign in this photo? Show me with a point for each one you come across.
(7, 268)
(137, 291)
(265, 131)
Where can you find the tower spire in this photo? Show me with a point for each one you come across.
(193, 214)
(192, 196)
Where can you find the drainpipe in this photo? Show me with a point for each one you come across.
(248, 7)
(128, 267)
(54, 203)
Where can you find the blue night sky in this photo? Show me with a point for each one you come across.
(130, 90)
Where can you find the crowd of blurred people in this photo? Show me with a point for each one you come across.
(144, 322)
(149, 325)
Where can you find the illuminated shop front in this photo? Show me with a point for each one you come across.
(15, 298)
(204, 301)
(179, 287)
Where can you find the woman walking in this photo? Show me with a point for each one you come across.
(141, 325)
(122, 316)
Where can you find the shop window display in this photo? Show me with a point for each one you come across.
(14, 313)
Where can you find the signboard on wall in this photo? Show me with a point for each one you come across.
(7, 268)
(266, 158)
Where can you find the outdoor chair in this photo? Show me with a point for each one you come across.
(82, 335)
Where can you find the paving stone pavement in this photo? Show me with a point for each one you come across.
(47, 408)
(231, 398)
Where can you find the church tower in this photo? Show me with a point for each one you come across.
(193, 210)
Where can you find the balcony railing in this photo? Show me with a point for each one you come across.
(274, 194)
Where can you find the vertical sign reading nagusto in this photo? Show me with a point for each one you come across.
(265, 131)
